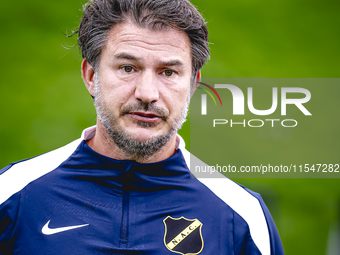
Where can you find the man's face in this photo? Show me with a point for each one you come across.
(142, 86)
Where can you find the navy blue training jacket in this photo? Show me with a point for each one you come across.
(76, 201)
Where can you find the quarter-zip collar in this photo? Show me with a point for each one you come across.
(110, 172)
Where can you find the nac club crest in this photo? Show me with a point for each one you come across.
(183, 236)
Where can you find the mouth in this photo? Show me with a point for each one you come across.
(145, 116)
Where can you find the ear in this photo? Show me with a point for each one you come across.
(88, 74)
(196, 83)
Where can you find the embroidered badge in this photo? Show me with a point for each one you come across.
(183, 236)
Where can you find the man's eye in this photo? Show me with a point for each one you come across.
(128, 69)
(168, 72)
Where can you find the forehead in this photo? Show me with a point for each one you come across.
(140, 41)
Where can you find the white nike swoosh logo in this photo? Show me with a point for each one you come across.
(50, 231)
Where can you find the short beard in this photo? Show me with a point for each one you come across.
(132, 147)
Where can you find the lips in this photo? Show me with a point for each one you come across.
(145, 116)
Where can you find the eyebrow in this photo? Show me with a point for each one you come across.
(172, 63)
(127, 56)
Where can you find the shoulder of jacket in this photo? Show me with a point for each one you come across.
(16, 176)
(243, 201)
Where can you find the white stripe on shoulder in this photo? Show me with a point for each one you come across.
(240, 200)
(21, 174)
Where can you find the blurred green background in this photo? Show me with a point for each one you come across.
(45, 104)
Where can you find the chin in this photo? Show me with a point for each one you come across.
(146, 133)
(145, 136)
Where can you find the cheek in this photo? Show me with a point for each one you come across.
(118, 95)
(178, 100)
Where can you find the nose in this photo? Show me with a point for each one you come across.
(146, 87)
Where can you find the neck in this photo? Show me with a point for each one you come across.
(104, 144)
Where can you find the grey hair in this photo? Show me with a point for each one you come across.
(101, 15)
